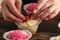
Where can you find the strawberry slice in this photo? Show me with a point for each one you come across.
(26, 19)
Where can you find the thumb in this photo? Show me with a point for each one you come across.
(40, 4)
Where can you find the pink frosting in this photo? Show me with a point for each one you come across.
(31, 7)
(18, 35)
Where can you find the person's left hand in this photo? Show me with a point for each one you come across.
(46, 9)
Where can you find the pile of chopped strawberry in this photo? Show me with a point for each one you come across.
(31, 7)
(18, 35)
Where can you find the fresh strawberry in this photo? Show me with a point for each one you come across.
(26, 19)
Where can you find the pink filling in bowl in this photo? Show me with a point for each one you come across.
(29, 7)
(17, 35)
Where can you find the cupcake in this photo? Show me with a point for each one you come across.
(31, 25)
(17, 35)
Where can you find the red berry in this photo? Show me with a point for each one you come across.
(26, 19)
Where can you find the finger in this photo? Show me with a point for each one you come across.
(36, 11)
(9, 15)
(15, 11)
(48, 12)
(47, 5)
(18, 4)
(38, 15)
(9, 19)
(40, 18)
(5, 18)
(52, 15)
(40, 3)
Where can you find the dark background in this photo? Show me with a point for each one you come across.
(28, 1)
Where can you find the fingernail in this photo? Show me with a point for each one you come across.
(23, 17)
(46, 18)
(35, 11)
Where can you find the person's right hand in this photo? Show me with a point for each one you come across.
(11, 10)
(46, 9)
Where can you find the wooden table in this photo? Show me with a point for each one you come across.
(45, 31)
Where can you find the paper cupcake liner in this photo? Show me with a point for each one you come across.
(6, 33)
(32, 29)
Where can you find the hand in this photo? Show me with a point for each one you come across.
(11, 10)
(46, 9)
